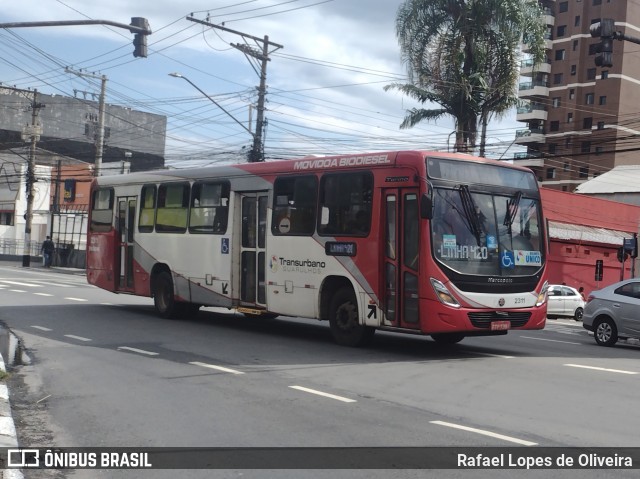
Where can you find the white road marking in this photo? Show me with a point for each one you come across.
(550, 340)
(17, 291)
(18, 283)
(43, 294)
(320, 393)
(486, 433)
(620, 371)
(41, 328)
(76, 299)
(219, 368)
(140, 351)
(79, 338)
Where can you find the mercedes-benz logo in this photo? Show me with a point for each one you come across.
(501, 301)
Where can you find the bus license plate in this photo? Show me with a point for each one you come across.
(500, 325)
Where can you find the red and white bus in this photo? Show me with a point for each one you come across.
(448, 245)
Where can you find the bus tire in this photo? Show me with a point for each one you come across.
(163, 297)
(447, 338)
(344, 322)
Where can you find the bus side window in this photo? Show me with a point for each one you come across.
(345, 200)
(173, 206)
(147, 209)
(294, 205)
(209, 208)
(102, 210)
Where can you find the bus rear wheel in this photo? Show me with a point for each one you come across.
(163, 298)
(447, 338)
(344, 321)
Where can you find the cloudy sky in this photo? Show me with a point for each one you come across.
(325, 86)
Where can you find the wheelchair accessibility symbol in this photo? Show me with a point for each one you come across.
(507, 260)
(224, 247)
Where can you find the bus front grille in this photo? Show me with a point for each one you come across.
(483, 319)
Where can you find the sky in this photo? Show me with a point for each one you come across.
(325, 86)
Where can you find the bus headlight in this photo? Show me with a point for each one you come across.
(443, 294)
(542, 297)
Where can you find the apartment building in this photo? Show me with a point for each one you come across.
(581, 120)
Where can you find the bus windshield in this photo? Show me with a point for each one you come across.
(486, 234)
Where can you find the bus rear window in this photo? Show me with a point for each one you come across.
(102, 210)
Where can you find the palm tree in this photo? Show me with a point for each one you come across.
(463, 55)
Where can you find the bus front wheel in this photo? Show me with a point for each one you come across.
(345, 326)
(163, 298)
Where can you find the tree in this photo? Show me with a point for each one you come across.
(463, 55)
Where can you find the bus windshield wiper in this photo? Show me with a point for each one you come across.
(512, 209)
(473, 221)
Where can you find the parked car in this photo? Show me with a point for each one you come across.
(564, 301)
(614, 312)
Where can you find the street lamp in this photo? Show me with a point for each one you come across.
(256, 151)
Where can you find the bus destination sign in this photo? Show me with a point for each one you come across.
(339, 248)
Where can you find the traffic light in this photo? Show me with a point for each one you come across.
(622, 254)
(605, 30)
(140, 38)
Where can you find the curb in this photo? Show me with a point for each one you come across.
(8, 436)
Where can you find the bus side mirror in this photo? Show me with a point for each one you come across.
(426, 207)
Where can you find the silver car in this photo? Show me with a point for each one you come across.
(613, 312)
(564, 301)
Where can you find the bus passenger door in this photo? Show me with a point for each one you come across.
(253, 249)
(401, 250)
(126, 225)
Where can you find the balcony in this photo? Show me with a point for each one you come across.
(527, 68)
(531, 111)
(533, 88)
(530, 135)
(549, 16)
(527, 159)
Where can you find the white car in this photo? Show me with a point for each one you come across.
(564, 301)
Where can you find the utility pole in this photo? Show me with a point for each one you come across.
(257, 150)
(33, 132)
(99, 137)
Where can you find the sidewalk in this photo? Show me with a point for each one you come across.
(8, 436)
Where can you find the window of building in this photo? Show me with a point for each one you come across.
(591, 73)
(6, 218)
(588, 99)
(567, 142)
(557, 78)
(604, 75)
(552, 148)
(173, 208)
(599, 150)
(597, 2)
(209, 208)
(573, 69)
(565, 166)
(554, 126)
(593, 48)
(601, 125)
(561, 31)
(345, 204)
(569, 117)
(560, 54)
(585, 146)
(576, 22)
(575, 45)
(563, 7)
(294, 205)
(147, 209)
(584, 172)
(572, 93)
(602, 100)
(564, 188)
(555, 102)
(551, 173)
(587, 123)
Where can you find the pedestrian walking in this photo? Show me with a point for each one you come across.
(48, 247)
